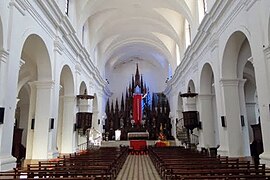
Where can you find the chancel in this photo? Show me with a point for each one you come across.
(140, 116)
(141, 89)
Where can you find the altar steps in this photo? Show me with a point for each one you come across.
(138, 167)
(127, 143)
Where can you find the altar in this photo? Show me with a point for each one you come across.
(138, 135)
(141, 115)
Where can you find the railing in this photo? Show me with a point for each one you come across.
(181, 131)
(182, 135)
(194, 139)
(82, 146)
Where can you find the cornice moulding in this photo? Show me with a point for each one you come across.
(19, 5)
(58, 19)
(4, 56)
(208, 24)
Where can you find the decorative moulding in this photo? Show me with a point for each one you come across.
(19, 5)
(3, 56)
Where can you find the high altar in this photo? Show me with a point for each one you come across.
(139, 116)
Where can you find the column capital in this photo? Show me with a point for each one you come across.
(242, 82)
(250, 59)
(230, 82)
(58, 45)
(3, 55)
(267, 52)
(68, 98)
(205, 96)
(44, 84)
(22, 62)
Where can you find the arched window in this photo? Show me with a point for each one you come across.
(67, 7)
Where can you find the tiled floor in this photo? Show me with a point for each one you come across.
(138, 167)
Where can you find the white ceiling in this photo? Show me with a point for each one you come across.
(120, 30)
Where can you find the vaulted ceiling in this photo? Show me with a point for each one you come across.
(151, 30)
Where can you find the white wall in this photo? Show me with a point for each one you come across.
(251, 19)
(121, 76)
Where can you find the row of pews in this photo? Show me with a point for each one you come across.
(104, 163)
(180, 163)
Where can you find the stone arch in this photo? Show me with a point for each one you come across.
(208, 108)
(66, 115)
(236, 54)
(35, 48)
(34, 82)
(230, 55)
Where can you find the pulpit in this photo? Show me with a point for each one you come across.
(191, 119)
(83, 119)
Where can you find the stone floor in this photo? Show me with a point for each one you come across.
(138, 167)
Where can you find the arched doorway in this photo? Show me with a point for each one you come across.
(34, 93)
(66, 112)
(238, 80)
(208, 109)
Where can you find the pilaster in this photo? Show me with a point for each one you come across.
(206, 117)
(235, 134)
(42, 118)
(68, 136)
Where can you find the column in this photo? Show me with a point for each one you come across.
(251, 118)
(243, 112)
(3, 66)
(67, 126)
(42, 118)
(232, 117)
(8, 101)
(262, 75)
(53, 149)
(31, 115)
(206, 117)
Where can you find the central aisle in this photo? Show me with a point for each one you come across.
(138, 167)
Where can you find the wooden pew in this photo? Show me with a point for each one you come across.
(104, 163)
(179, 163)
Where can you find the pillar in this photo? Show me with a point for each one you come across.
(262, 82)
(42, 118)
(206, 117)
(243, 113)
(67, 126)
(8, 101)
(232, 112)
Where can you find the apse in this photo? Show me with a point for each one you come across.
(120, 76)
